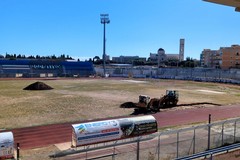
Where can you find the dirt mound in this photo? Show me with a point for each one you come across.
(38, 86)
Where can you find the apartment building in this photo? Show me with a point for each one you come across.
(225, 57)
(210, 58)
(230, 57)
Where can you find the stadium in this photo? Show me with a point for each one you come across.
(44, 68)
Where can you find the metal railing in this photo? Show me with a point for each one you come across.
(167, 145)
(211, 152)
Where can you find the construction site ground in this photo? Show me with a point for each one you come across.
(48, 120)
(43, 141)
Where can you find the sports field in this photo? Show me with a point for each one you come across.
(83, 99)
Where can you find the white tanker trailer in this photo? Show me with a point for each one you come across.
(111, 130)
(6, 145)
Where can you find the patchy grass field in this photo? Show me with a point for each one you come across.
(81, 99)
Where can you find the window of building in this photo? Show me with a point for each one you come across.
(237, 54)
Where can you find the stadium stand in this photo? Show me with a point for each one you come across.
(45, 68)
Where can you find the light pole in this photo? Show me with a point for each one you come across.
(104, 20)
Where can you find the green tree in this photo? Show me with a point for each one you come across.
(96, 58)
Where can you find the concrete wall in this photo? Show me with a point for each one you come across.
(195, 74)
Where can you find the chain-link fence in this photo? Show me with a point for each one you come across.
(169, 144)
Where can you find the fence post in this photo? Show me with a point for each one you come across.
(194, 140)
(86, 147)
(113, 157)
(138, 148)
(222, 132)
(209, 131)
(211, 156)
(235, 129)
(158, 146)
(177, 142)
(18, 151)
(138, 143)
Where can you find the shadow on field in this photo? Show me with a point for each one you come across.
(201, 103)
(142, 110)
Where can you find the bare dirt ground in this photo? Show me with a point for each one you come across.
(235, 155)
(33, 137)
(78, 100)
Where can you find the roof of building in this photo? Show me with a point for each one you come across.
(67, 64)
(160, 49)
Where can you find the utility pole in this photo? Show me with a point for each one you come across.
(104, 20)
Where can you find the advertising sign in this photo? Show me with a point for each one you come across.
(109, 130)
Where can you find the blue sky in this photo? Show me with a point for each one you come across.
(137, 27)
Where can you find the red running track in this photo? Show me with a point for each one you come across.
(35, 137)
(190, 116)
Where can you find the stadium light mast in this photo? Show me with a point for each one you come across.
(104, 20)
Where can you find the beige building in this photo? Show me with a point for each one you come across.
(211, 58)
(225, 57)
(128, 59)
(230, 56)
(161, 57)
(174, 57)
(181, 50)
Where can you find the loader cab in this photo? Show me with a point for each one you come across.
(144, 99)
(172, 93)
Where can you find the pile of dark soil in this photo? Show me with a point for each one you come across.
(38, 86)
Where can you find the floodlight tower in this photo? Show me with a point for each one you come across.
(104, 20)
